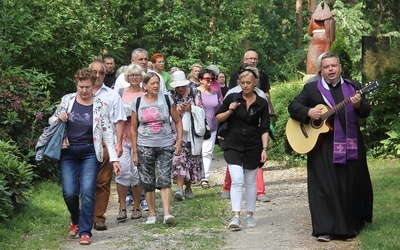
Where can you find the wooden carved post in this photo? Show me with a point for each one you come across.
(322, 31)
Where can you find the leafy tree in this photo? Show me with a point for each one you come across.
(55, 36)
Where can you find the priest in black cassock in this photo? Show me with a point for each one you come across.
(339, 186)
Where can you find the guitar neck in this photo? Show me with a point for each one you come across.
(336, 108)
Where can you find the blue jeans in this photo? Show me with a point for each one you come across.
(79, 169)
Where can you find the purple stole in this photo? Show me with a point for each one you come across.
(345, 145)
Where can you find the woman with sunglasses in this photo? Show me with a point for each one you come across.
(212, 99)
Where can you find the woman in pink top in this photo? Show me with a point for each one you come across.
(129, 177)
(212, 99)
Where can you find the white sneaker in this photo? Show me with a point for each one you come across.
(250, 221)
(179, 195)
(151, 220)
(263, 198)
(225, 194)
(169, 219)
(235, 223)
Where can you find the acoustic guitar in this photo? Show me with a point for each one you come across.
(306, 138)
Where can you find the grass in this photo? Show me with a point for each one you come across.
(42, 223)
(208, 212)
(384, 231)
(38, 225)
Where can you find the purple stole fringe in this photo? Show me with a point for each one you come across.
(345, 145)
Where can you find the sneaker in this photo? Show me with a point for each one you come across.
(143, 204)
(189, 193)
(225, 194)
(85, 240)
(169, 219)
(324, 238)
(73, 230)
(235, 223)
(250, 221)
(151, 220)
(100, 226)
(129, 200)
(263, 198)
(179, 195)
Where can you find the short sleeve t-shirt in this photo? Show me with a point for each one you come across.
(154, 123)
(80, 124)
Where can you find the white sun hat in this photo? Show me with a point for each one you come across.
(179, 79)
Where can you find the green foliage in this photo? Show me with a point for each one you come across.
(382, 127)
(350, 20)
(391, 145)
(291, 69)
(17, 175)
(24, 106)
(57, 36)
(6, 206)
(282, 95)
(40, 224)
(340, 48)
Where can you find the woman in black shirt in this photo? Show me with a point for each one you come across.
(245, 144)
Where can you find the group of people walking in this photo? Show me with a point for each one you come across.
(143, 131)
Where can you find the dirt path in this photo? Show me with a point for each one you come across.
(283, 223)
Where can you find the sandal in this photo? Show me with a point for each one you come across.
(122, 215)
(205, 184)
(136, 214)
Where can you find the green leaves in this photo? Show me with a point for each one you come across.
(16, 177)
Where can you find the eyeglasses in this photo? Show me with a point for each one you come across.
(101, 72)
(134, 75)
(251, 59)
(208, 79)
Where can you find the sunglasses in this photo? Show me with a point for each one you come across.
(208, 79)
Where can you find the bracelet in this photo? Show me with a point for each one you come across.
(265, 148)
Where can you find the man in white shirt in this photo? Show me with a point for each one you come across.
(141, 58)
(117, 116)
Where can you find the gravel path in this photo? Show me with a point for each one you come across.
(283, 223)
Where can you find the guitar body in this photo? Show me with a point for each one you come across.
(305, 138)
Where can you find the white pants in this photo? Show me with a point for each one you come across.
(129, 175)
(207, 153)
(238, 176)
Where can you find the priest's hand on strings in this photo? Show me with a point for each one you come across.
(315, 113)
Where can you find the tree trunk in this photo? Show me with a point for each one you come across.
(311, 6)
(299, 19)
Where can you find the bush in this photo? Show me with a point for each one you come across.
(25, 107)
(340, 48)
(291, 69)
(16, 175)
(282, 95)
(5, 200)
(382, 128)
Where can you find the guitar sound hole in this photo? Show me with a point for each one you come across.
(316, 123)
